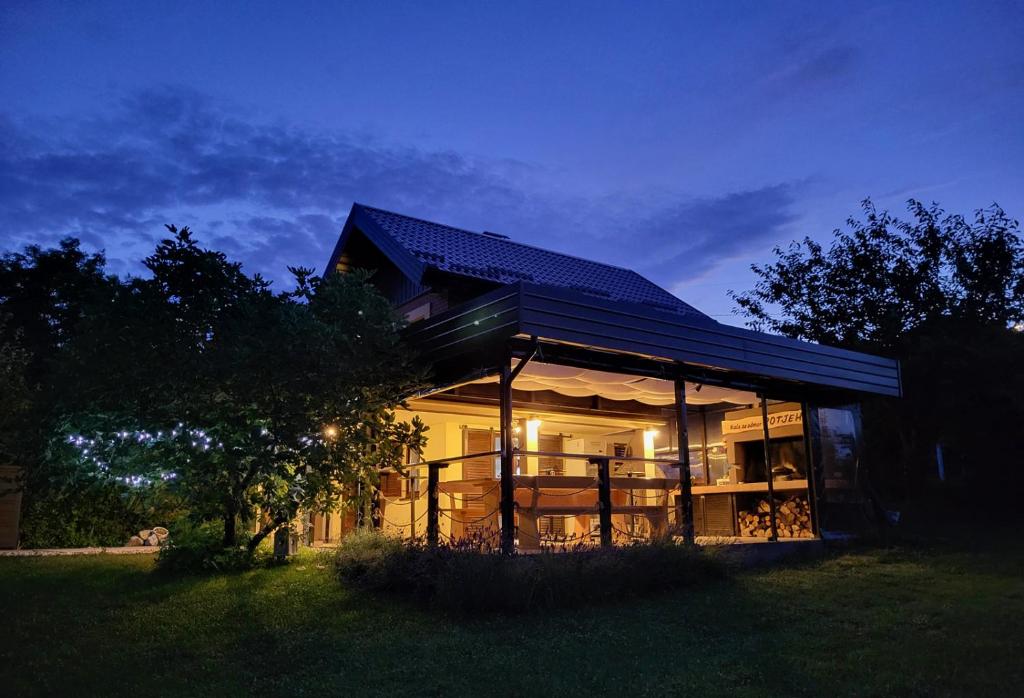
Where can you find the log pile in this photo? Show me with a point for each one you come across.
(792, 516)
(149, 536)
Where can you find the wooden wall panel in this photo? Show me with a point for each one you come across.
(10, 507)
(575, 319)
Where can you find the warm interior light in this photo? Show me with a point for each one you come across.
(330, 432)
(649, 435)
(532, 444)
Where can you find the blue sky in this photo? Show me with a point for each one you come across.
(681, 139)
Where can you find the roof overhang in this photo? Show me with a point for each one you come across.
(576, 329)
(359, 220)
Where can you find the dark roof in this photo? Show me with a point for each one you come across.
(456, 251)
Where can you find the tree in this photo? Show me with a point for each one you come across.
(241, 401)
(941, 293)
(15, 400)
(46, 296)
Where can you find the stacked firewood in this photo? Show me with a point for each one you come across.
(792, 517)
(148, 536)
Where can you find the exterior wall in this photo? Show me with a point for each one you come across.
(10, 506)
(434, 302)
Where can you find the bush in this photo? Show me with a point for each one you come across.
(199, 548)
(467, 580)
(90, 515)
(373, 561)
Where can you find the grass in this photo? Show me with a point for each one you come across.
(914, 620)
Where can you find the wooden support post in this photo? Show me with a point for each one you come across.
(604, 498)
(810, 418)
(683, 436)
(409, 480)
(508, 490)
(432, 507)
(508, 487)
(770, 477)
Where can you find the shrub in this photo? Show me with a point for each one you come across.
(373, 561)
(466, 580)
(199, 548)
(90, 514)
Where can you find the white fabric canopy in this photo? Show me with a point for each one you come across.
(581, 382)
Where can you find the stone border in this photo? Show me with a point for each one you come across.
(54, 552)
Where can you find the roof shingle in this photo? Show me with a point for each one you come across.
(480, 256)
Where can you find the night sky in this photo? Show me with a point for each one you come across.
(684, 140)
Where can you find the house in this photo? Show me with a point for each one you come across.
(578, 403)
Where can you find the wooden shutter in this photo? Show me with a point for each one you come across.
(551, 525)
(478, 441)
(550, 465)
(719, 517)
(391, 485)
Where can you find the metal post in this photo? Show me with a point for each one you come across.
(432, 508)
(683, 437)
(768, 468)
(604, 498)
(360, 506)
(508, 492)
(812, 479)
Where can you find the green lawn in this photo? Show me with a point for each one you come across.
(917, 620)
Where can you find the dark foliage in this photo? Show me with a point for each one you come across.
(94, 513)
(943, 294)
(462, 579)
(198, 548)
(46, 298)
(196, 384)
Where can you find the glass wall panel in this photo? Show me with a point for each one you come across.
(718, 462)
(842, 504)
(695, 427)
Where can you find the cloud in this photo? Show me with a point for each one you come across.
(687, 239)
(828, 65)
(275, 195)
(170, 153)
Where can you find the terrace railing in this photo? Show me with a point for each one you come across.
(538, 495)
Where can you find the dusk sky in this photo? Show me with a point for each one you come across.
(683, 139)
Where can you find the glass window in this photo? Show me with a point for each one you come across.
(718, 461)
(697, 471)
(695, 435)
(839, 434)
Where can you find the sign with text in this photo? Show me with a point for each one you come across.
(755, 422)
